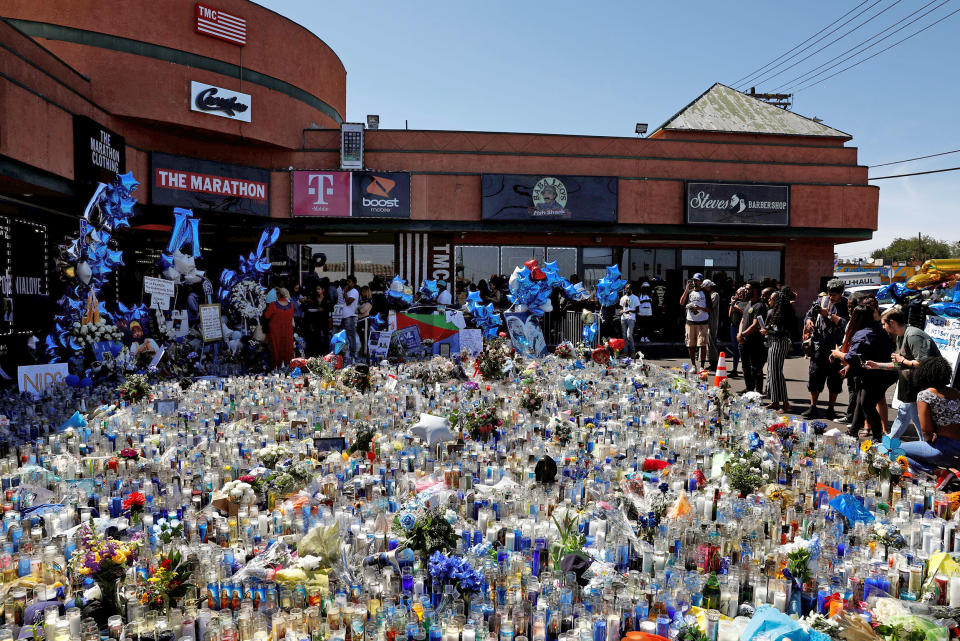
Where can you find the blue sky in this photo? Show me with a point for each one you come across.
(598, 68)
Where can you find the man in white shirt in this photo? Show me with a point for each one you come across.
(444, 297)
(628, 318)
(698, 320)
(350, 299)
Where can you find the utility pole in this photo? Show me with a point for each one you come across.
(782, 100)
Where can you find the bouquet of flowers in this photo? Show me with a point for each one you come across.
(888, 535)
(745, 472)
(456, 571)
(492, 361)
(480, 423)
(240, 492)
(96, 332)
(135, 388)
(105, 560)
(886, 459)
(561, 429)
(129, 454)
(436, 370)
(134, 504)
(425, 531)
(271, 454)
(570, 538)
(168, 581)
(364, 439)
(531, 400)
(356, 377)
(167, 531)
(564, 350)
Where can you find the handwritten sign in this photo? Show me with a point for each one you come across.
(34, 379)
(158, 286)
(471, 341)
(945, 332)
(210, 326)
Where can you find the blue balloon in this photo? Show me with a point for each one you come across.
(429, 290)
(589, 333)
(613, 273)
(296, 373)
(338, 341)
(474, 297)
(72, 380)
(950, 310)
(86, 381)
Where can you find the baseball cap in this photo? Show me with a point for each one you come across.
(697, 276)
(441, 283)
(707, 283)
(645, 284)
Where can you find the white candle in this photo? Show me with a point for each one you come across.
(468, 635)
(780, 601)
(954, 591)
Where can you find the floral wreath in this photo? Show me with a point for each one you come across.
(248, 299)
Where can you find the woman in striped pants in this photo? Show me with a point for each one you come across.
(780, 327)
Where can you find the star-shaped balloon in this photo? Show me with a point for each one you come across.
(613, 273)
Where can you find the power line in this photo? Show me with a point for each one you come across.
(834, 30)
(857, 46)
(753, 73)
(832, 42)
(878, 53)
(917, 173)
(897, 162)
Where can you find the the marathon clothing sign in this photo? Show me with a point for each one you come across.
(98, 153)
(201, 184)
(549, 197)
(358, 194)
(737, 204)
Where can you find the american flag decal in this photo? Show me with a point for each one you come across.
(222, 25)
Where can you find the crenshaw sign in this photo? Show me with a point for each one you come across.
(737, 204)
(218, 101)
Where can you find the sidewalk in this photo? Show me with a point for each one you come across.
(795, 370)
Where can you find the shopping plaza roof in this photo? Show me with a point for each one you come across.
(723, 109)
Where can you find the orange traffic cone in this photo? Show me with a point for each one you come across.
(721, 370)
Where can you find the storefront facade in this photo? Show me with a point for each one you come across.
(199, 104)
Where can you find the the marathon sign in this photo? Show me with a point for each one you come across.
(358, 194)
(98, 153)
(554, 197)
(204, 185)
(737, 204)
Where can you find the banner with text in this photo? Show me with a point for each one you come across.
(573, 198)
(192, 183)
(945, 332)
(738, 204)
(357, 194)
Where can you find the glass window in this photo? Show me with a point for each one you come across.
(666, 259)
(511, 257)
(336, 267)
(708, 257)
(597, 256)
(757, 265)
(566, 258)
(642, 264)
(475, 264)
(370, 261)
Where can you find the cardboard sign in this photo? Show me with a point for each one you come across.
(156, 359)
(945, 332)
(330, 444)
(210, 326)
(471, 341)
(379, 344)
(178, 322)
(455, 316)
(525, 333)
(409, 337)
(159, 301)
(165, 406)
(158, 286)
(34, 379)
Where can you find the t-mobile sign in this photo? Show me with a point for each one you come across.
(321, 193)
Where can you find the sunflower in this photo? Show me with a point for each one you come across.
(866, 445)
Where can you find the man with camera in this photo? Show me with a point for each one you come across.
(823, 330)
(698, 320)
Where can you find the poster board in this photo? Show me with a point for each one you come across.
(409, 337)
(378, 344)
(210, 326)
(525, 333)
(471, 341)
(35, 379)
(945, 332)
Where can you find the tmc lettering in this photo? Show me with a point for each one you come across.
(441, 262)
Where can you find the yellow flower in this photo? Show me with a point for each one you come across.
(902, 460)
(120, 558)
(866, 445)
(84, 570)
(154, 579)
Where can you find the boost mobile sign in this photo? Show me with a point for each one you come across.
(357, 194)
